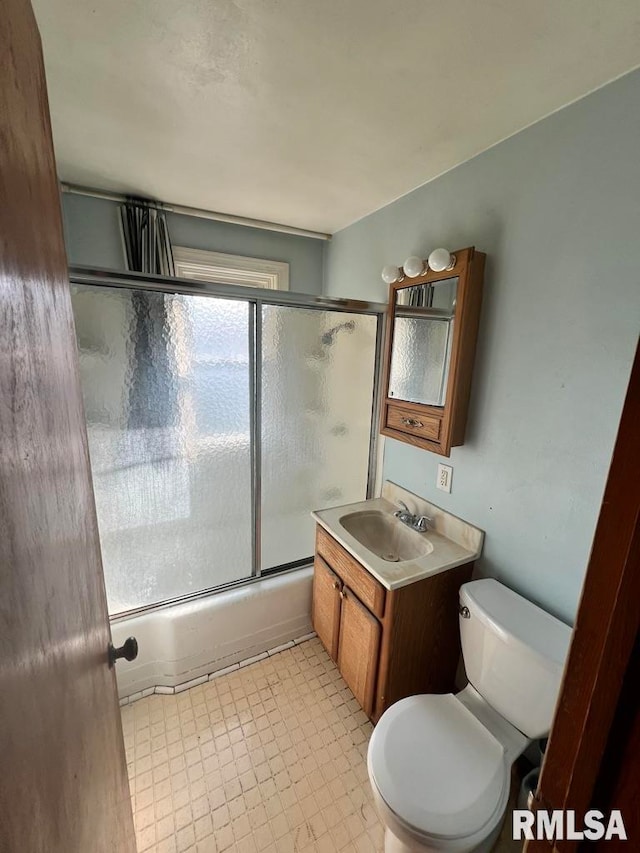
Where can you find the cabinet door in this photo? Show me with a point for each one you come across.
(325, 611)
(358, 649)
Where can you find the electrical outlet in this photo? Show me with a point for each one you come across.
(445, 474)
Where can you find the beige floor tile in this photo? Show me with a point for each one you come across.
(260, 760)
(270, 758)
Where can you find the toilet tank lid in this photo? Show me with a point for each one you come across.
(504, 610)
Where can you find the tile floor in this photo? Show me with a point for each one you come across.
(270, 758)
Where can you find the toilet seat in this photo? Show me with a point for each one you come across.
(437, 768)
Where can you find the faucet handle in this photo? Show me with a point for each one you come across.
(422, 523)
(403, 512)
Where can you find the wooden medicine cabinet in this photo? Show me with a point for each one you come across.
(429, 353)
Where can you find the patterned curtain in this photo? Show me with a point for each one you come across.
(153, 393)
(146, 238)
(421, 295)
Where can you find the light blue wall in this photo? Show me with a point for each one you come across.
(93, 238)
(557, 210)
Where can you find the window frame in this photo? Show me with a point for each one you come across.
(204, 265)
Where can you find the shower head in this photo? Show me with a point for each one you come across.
(329, 337)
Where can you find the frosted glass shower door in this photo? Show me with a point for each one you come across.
(317, 395)
(166, 387)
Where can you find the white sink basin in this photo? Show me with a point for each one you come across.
(391, 551)
(385, 536)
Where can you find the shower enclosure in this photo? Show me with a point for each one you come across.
(218, 417)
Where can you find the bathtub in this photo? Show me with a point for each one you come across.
(185, 642)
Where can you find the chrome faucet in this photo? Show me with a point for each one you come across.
(416, 522)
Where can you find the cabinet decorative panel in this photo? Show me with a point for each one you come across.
(359, 649)
(327, 587)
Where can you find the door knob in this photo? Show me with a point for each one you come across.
(128, 650)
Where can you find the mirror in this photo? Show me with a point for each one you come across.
(423, 320)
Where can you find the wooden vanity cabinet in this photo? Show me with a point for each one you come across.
(387, 644)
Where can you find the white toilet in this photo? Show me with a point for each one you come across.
(440, 765)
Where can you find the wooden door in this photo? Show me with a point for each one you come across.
(618, 782)
(325, 613)
(594, 745)
(359, 649)
(63, 786)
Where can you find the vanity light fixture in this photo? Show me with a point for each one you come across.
(441, 259)
(438, 261)
(391, 274)
(414, 266)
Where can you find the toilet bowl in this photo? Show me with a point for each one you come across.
(440, 777)
(400, 838)
(440, 765)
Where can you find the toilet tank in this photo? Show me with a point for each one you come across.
(514, 654)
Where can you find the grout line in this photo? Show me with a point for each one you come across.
(304, 638)
(281, 648)
(164, 690)
(193, 682)
(254, 659)
(225, 671)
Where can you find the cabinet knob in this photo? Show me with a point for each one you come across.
(412, 422)
(336, 584)
(343, 593)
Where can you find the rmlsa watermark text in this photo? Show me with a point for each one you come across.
(558, 825)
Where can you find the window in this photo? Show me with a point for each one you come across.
(230, 269)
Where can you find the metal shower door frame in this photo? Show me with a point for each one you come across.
(255, 299)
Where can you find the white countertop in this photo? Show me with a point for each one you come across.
(461, 544)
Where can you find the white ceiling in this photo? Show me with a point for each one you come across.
(309, 113)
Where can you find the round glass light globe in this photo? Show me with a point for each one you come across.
(413, 266)
(439, 260)
(390, 274)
